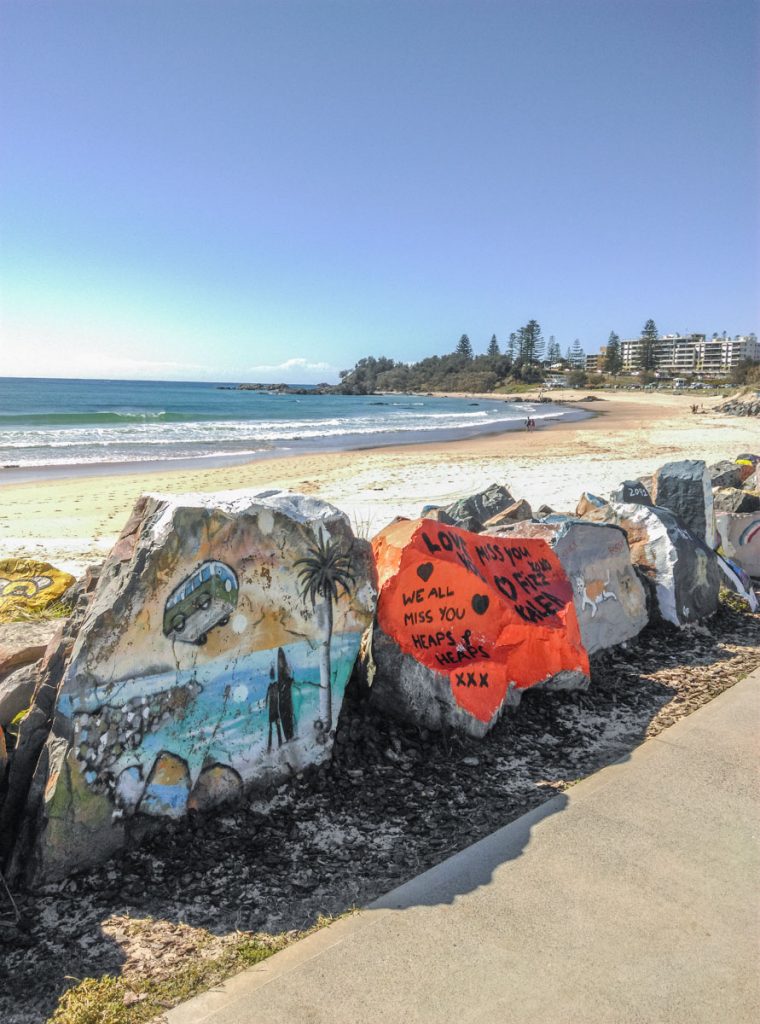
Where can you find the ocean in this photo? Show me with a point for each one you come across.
(61, 427)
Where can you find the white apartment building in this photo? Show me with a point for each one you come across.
(677, 354)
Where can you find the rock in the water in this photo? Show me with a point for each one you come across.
(519, 512)
(632, 492)
(734, 499)
(683, 571)
(28, 587)
(609, 598)
(471, 513)
(725, 474)
(222, 633)
(22, 643)
(16, 692)
(740, 539)
(465, 623)
(685, 489)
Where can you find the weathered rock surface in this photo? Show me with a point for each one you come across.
(16, 692)
(682, 569)
(29, 587)
(725, 474)
(33, 732)
(473, 512)
(610, 600)
(686, 490)
(218, 644)
(735, 499)
(438, 515)
(740, 539)
(22, 643)
(465, 623)
(632, 492)
(519, 512)
(588, 502)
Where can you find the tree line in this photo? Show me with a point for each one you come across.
(525, 357)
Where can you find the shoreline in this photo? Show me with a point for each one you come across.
(74, 521)
(11, 475)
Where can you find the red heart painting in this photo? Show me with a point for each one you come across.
(486, 611)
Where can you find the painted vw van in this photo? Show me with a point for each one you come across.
(203, 600)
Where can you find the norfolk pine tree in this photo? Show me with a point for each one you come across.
(613, 359)
(464, 348)
(493, 348)
(648, 357)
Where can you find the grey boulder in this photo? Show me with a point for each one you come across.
(473, 512)
(685, 489)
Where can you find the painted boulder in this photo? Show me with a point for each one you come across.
(682, 569)
(610, 600)
(28, 587)
(632, 492)
(471, 513)
(740, 539)
(213, 658)
(737, 580)
(466, 622)
(685, 489)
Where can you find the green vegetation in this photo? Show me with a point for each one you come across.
(135, 1000)
(613, 357)
(648, 357)
(522, 362)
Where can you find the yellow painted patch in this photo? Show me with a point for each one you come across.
(169, 771)
(27, 586)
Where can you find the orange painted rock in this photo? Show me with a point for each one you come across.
(466, 622)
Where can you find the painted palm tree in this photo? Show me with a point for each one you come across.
(325, 572)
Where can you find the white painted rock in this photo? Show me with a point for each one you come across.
(682, 569)
(609, 598)
(740, 539)
(685, 488)
(214, 656)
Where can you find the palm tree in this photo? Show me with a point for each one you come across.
(324, 572)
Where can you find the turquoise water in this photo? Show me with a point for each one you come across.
(48, 425)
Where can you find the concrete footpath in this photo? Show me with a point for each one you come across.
(631, 898)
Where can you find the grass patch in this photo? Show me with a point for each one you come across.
(60, 609)
(136, 1000)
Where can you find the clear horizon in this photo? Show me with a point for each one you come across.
(243, 191)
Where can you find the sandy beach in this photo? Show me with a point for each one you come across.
(73, 521)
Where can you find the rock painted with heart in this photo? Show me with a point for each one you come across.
(466, 622)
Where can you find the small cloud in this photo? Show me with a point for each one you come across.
(296, 371)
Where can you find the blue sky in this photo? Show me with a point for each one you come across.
(270, 190)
